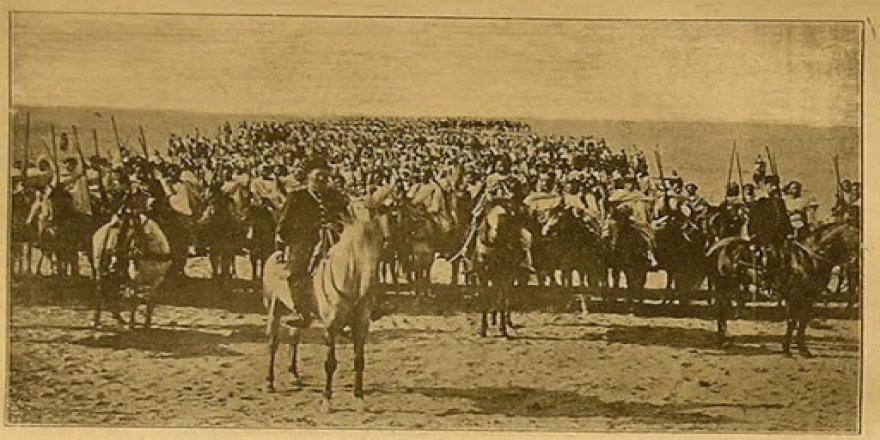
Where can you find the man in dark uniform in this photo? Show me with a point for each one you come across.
(306, 224)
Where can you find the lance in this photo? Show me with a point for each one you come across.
(837, 176)
(54, 150)
(82, 159)
(101, 187)
(27, 147)
(662, 178)
(739, 171)
(772, 160)
(143, 141)
(79, 152)
(730, 168)
(116, 134)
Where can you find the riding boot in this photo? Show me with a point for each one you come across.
(527, 263)
(301, 292)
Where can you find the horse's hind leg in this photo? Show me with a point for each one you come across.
(295, 339)
(99, 303)
(803, 320)
(722, 305)
(274, 326)
(329, 370)
(148, 319)
(133, 321)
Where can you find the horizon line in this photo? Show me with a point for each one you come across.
(97, 107)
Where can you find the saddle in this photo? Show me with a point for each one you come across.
(326, 239)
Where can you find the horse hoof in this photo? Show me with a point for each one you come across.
(270, 388)
(360, 405)
(806, 353)
(326, 406)
(297, 381)
(787, 353)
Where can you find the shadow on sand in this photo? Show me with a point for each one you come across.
(702, 339)
(536, 402)
(171, 342)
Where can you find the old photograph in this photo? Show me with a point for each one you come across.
(435, 223)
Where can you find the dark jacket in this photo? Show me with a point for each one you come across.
(302, 216)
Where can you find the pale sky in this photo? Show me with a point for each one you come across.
(707, 71)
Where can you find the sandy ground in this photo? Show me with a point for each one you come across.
(205, 365)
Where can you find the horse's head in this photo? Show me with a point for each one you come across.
(838, 243)
(500, 227)
(369, 216)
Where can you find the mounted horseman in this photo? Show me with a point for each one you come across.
(308, 225)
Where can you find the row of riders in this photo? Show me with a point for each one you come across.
(500, 202)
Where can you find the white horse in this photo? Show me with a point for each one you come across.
(343, 290)
(132, 257)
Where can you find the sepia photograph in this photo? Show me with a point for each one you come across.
(435, 223)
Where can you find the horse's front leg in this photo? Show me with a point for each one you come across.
(329, 370)
(359, 334)
(100, 294)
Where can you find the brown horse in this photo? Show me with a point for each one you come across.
(62, 232)
(343, 286)
(574, 245)
(260, 236)
(681, 252)
(796, 272)
(221, 228)
(840, 244)
(133, 257)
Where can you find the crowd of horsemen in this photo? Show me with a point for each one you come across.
(267, 185)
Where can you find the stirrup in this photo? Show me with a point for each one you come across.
(300, 320)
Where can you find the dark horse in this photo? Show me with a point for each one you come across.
(574, 245)
(62, 232)
(497, 264)
(797, 272)
(221, 229)
(681, 252)
(628, 247)
(260, 235)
